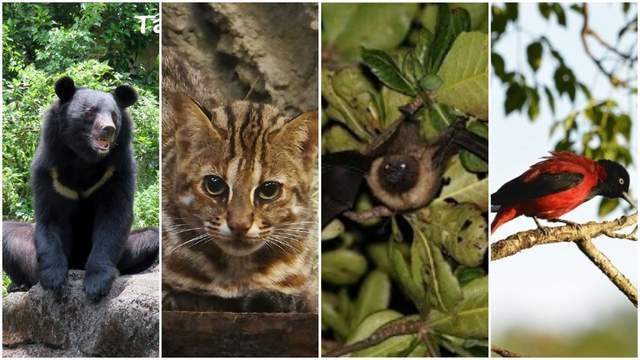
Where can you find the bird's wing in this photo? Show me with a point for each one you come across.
(521, 190)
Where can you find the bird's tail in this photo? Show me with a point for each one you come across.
(505, 214)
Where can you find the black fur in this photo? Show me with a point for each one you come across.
(91, 232)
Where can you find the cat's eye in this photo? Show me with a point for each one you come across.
(268, 190)
(214, 185)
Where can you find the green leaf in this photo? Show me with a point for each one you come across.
(348, 93)
(463, 186)
(392, 347)
(343, 266)
(332, 230)
(470, 319)
(607, 206)
(384, 68)
(409, 279)
(374, 295)
(534, 55)
(392, 101)
(470, 161)
(443, 289)
(460, 230)
(337, 138)
(450, 24)
(516, 98)
(430, 82)
(464, 73)
(331, 316)
(421, 51)
(346, 28)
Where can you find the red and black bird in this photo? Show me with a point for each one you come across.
(556, 185)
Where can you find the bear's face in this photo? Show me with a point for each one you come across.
(92, 120)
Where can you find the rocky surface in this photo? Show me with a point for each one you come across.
(261, 52)
(125, 323)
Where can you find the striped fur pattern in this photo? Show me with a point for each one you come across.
(246, 145)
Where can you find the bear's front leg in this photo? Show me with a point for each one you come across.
(50, 244)
(110, 232)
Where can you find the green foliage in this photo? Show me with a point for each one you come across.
(597, 128)
(430, 260)
(100, 46)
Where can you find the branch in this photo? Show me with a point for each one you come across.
(382, 334)
(606, 266)
(581, 234)
(588, 31)
(503, 352)
(517, 242)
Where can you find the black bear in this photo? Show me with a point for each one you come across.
(83, 182)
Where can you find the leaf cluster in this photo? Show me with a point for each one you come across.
(597, 128)
(429, 263)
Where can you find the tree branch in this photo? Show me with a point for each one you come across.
(580, 234)
(503, 352)
(588, 31)
(517, 242)
(606, 266)
(385, 332)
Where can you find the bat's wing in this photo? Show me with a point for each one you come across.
(342, 175)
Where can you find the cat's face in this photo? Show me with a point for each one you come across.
(243, 175)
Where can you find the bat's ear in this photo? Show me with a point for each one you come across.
(302, 132)
(192, 124)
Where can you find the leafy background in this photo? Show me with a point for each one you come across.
(101, 47)
(429, 263)
(549, 92)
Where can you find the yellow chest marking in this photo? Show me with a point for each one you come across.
(72, 194)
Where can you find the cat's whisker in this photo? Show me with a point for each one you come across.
(171, 251)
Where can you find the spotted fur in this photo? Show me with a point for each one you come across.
(245, 144)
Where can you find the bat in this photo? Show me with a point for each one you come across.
(403, 171)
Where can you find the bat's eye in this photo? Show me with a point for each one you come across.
(399, 173)
(214, 185)
(269, 190)
(621, 181)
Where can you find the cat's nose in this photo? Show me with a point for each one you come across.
(240, 226)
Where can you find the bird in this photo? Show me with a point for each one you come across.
(556, 185)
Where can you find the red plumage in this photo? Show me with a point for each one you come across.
(549, 189)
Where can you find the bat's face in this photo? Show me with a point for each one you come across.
(405, 181)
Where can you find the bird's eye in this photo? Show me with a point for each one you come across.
(214, 185)
(268, 190)
(621, 181)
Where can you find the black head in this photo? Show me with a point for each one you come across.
(91, 121)
(398, 173)
(616, 183)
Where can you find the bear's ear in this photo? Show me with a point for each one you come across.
(125, 96)
(65, 88)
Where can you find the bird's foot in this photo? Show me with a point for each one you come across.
(566, 222)
(544, 230)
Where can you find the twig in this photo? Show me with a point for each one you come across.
(588, 31)
(382, 334)
(581, 234)
(515, 243)
(374, 212)
(503, 352)
(606, 266)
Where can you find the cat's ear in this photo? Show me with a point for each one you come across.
(193, 124)
(302, 132)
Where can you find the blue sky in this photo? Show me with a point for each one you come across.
(553, 287)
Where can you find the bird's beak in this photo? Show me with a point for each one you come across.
(629, 199)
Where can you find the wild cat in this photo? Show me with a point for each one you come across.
(238, 218)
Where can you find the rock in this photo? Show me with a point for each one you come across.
(261, 52)
(123, 324)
